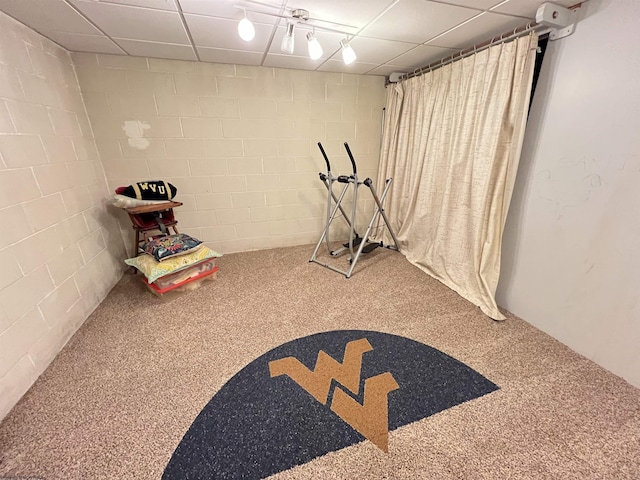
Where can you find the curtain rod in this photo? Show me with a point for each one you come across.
(505, 37)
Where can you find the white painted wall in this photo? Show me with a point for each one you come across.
(60, 250)
(571, 252)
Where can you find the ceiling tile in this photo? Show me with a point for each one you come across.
(134, 22)
(422, 55)
(354, 13)
(141, 48)
(483, 27)
(417, 21)
(525, 8)
(84, 43)
(477, 4)
(223, 33)
(48, 15)
(339, 66)
(373, 50)
(158, 4)
(224, 9)
(218, 55)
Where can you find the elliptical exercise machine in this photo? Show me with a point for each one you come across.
(356, 245)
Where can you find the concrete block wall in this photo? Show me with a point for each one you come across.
(238, 142)
(60, 250)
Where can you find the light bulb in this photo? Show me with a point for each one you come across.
(287, 40)
(315, 49)
(348, 55)
(246, 30)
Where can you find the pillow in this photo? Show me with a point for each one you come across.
(168, 246)
(149, 190)
(122, 201)
(154, 270)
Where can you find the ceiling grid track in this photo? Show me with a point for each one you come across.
(187, 31)
(88, 20)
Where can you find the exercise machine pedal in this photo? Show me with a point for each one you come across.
(356, 241)
(370, 247)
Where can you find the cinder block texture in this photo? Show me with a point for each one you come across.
(239, 142)
(61, 249)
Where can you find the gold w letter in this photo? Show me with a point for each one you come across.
(318, 381)
(370, 418)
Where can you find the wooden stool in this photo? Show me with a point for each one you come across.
(149, 218)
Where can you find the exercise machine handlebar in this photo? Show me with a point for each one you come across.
(326, 159)
(353, 161)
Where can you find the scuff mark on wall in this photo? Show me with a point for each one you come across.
(134, 129)
(569, 184)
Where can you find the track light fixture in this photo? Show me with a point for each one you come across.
(246, 30)
(296, 17)
(288, 39)
(348, 55)
(315, 49)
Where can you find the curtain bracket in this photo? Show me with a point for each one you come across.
(561, 20)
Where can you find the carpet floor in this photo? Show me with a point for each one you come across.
(120, 397)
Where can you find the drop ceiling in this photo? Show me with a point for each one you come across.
(387, 35)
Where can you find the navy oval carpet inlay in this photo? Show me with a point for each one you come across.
(316, 395)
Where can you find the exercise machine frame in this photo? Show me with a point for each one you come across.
(356, 245)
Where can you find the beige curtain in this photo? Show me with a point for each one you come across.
(452, 142)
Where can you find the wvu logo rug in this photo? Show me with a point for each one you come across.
(316, 395)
